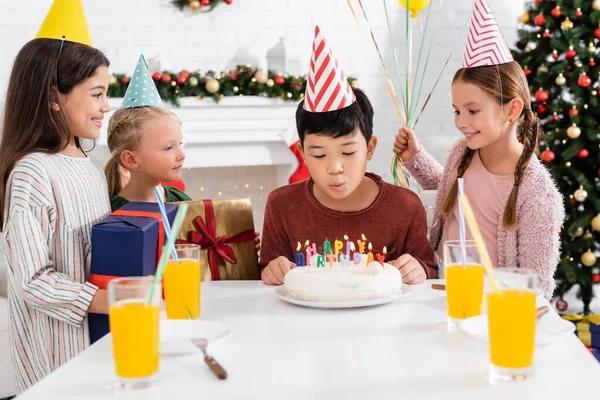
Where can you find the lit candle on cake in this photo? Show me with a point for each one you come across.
(356, 256)
(338, 245)
(370, 258)
(327, 247)
(299, 256)
(381, 257)
(310, 252)
(330, 258)
(347, 239)
(361, 244)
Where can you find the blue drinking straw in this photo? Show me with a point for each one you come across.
(163, 213)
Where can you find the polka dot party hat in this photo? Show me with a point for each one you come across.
(141, 91)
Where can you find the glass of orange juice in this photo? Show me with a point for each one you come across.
(134, 317)
(182, 283)
(464, 281)
(511, 325)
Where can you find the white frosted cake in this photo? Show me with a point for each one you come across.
(343, 284)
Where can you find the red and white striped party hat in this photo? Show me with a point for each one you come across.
(485, 43)
(327, 88)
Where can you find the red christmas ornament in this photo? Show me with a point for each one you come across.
(526, 71)
(125, 80)
(234, 75)
(583, 154)
(537, 2)
(542, 109)
(555, 12)
(157, 76)
(561, 305)
(541, 96)
(279, 79)
(181, 80)
(570, 54)
(166, 78)
(584, 81)
(546, 34)
(573, 112)
(592, 62)
(547, 156)
(554, 54)
(578, 13)
(554, 117)
(185, 73)
(596, 278)
(539, 20)
(597, 33)
(572, 201)
(228, 1)
(205, 3)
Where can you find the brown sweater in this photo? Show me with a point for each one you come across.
(396, 219)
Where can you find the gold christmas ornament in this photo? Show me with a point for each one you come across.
(596, 5)
(580, 194)
(588, 258)
(193, 81)
(560, 80)
(566, 24)
(525, 17)
(542, 69)
(112, 80)
(568, 164)
(573, 132)
(591, 48)
(212, 86)
(578, 232)
(236, 89)
(596, 223)
(270, 82)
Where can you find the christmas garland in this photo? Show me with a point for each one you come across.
(243, 81)
(202, 6)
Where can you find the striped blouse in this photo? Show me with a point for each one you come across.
(52, 203)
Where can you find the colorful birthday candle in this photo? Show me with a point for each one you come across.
(299, 256)
(361, 244)
(338, 244)
(344, 260)
(330, 258)
(347, 239)
(370, 258)
(320, 261)
(381, 257)
(310, 251)
(327, 247)
(356, 257)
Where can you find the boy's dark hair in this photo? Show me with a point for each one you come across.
(30, 123)
(338, 123)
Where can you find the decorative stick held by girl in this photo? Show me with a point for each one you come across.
(515, 201)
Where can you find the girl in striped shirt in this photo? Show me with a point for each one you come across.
(51, 194)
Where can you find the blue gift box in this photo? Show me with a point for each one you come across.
(124, 245)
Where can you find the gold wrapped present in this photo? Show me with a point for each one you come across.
(224, 229)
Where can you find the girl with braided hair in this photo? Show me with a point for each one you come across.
(516, 203)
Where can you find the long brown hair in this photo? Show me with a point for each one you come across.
(503, 83)
(30, 123)
(125, 133)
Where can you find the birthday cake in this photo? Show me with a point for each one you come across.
(343, 283)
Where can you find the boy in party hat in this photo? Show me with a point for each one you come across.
(144, 138)
(335, 127)
(515, 201)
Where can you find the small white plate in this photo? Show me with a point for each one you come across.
(175, 334)
(282, 294)
(548, 329)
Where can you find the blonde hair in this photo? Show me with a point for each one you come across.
(503, 83)
(124, 133)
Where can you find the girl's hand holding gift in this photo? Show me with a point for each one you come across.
(411, 269)
(406, 144)
(275, 271)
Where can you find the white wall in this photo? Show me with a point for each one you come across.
(125, 28)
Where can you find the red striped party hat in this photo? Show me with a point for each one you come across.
(485, 43)
(327, 88)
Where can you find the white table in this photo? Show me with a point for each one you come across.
(282, 351)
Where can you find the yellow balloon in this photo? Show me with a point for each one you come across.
(414, 6)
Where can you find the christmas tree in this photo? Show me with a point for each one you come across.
(557, 50)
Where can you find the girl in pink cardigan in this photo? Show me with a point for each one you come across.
(515, 201)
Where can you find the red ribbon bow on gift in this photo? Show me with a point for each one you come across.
(207, 240)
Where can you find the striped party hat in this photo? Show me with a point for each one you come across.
(485, 43)
(327, 88)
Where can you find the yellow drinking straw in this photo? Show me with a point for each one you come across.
(476, 233)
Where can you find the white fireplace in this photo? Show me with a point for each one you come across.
(238, 147)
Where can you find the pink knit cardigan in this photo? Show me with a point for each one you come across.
(535, 243)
